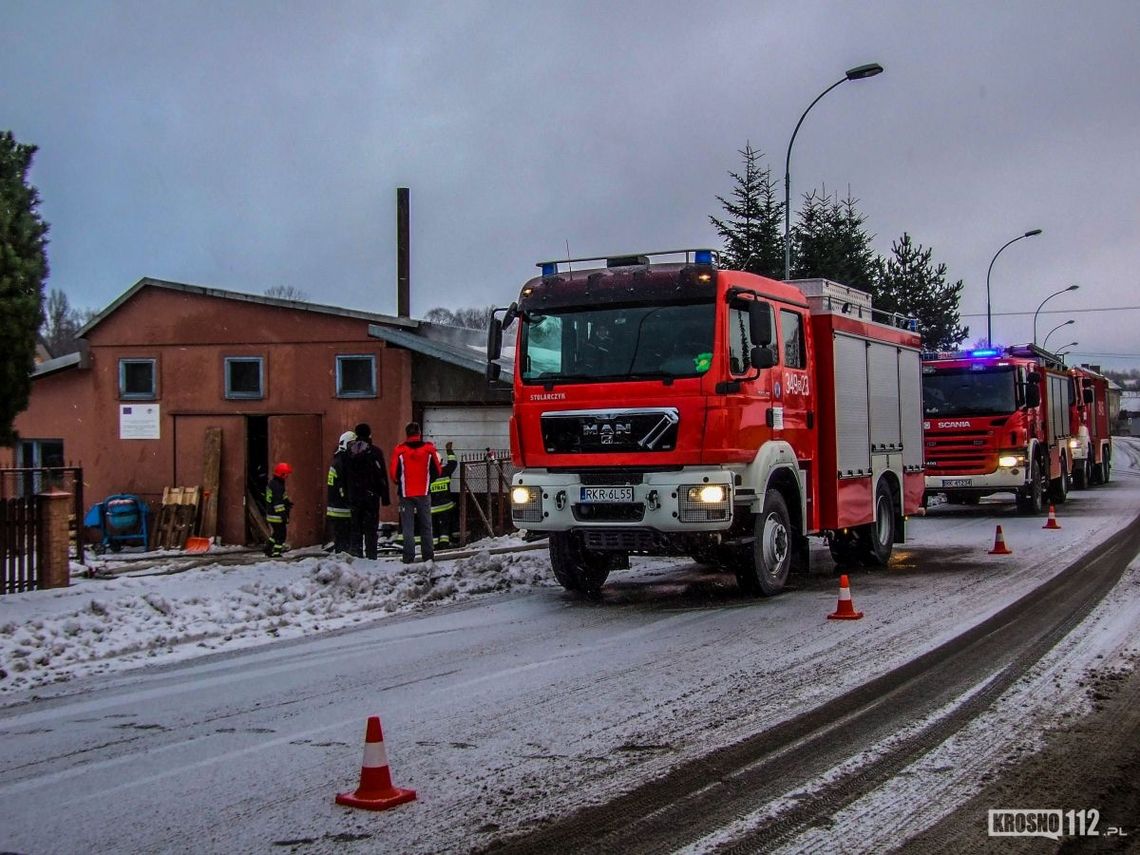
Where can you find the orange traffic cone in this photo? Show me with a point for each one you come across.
(1052, 521)
(999, 544)
(375, 791)
(845, 610)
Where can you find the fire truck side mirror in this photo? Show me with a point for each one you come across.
(1033, 390)
(762, 357)
(494, 339)
(1088, 395)
(760, 323)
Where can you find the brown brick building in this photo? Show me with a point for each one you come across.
(281, 379)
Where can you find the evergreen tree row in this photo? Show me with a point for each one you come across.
(829, 240)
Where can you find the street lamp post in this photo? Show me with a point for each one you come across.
(989, 317)
(1045, 341)
(860, 72)
(1046, 300)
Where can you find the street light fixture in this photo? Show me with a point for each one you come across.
(989, 317)
(1046, 300)
(859, 72)
(1045, 340)
(1061, 351)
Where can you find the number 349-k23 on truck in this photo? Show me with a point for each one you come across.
(677, 408)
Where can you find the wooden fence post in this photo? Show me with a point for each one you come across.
(53, 553)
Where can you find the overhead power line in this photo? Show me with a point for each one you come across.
(1052, 312)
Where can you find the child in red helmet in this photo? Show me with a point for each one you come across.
(277, 507)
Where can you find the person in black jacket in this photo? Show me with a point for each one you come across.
(367, 479)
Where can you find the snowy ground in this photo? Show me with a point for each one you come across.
(501, 685)
(155, 608)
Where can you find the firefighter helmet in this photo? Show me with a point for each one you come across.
(345, 438)
(282, 470)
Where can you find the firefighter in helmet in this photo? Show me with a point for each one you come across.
(338, 509)
(442, 500)
(277, 505)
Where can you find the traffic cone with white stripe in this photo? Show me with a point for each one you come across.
(375, 791)
(1052, 521)
(999, 544)
(845, 610)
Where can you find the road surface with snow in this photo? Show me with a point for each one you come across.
(220, 708)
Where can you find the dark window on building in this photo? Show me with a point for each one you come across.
(245, 377)
(356, 376)
(792, 325)
(137, 379)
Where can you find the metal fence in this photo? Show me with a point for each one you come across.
(484, 487)
(21, 521)
(27, 482)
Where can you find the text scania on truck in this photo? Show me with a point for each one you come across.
(683, 409)
(998, 420)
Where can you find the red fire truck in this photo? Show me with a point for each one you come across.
(677, 408)
(1090, 443)
(998, 420)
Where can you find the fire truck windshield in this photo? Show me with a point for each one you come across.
(617, 343)
(975, 390)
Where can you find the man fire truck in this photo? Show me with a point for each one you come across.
(683, 409)
(997, 420)
(1090, 443)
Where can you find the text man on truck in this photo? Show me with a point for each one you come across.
(684, 409)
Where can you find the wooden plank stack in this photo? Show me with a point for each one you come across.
(176, 519)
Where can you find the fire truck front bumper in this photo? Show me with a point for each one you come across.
(1011, 475)
(691, 500)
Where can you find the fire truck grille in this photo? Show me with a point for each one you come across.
(627, 540)
(642, 431)
(960, 452)
(627, 512)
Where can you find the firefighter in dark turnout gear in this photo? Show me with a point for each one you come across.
(277, 508)
(442, 500)
(367, 491)
(338, 510)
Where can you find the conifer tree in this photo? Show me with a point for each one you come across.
(911, 284)
(752, 231)
(23, 269)
(829, 241)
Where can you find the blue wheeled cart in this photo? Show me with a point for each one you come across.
(122, 520)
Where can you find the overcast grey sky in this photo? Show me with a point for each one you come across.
(251, 144)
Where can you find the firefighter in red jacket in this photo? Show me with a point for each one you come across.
(415, 464)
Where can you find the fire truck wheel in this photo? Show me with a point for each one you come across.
(1103, 470)
(844, 547)
(764, 568)
(575, 568)
(877, 539)
(1059, 487)
(1031, 497)
(1082, 474)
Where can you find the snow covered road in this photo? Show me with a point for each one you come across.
(219, 709)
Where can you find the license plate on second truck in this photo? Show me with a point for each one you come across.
(606, 494)
(957, 482)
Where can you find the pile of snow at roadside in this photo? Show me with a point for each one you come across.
(97, 625)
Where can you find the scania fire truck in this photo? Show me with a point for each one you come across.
(998, 420)
(1090, 443)
(677, 408)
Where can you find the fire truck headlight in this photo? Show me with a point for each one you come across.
(526, 504)
(705, 503)
(709, 494)
(1008, 460)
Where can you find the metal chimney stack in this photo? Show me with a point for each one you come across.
(403, 255)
